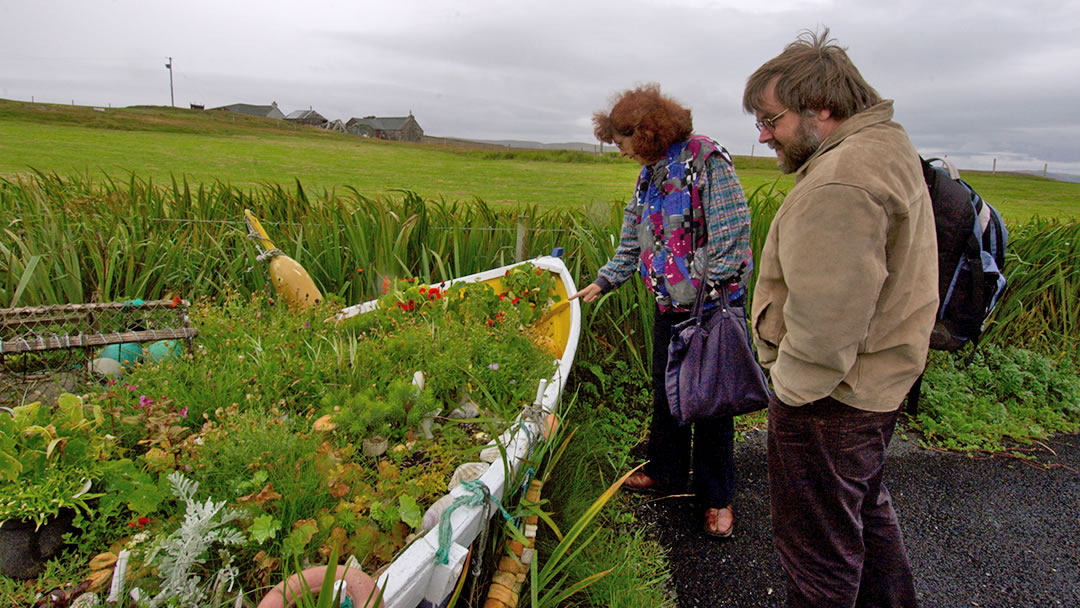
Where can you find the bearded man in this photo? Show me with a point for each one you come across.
(842, 312)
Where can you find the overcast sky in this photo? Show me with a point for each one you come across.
(976, 80)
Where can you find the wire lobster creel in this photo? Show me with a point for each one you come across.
(46, 350)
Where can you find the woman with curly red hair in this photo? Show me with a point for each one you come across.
(688, 218)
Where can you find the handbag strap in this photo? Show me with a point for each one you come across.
(699, 299)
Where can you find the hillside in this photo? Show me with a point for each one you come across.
(164, 143)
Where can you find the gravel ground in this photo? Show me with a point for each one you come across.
(993, 532)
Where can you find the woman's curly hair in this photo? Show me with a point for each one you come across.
(653, 121)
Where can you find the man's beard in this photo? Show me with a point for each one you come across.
(789, 157)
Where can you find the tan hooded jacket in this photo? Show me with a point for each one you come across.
(847, 290)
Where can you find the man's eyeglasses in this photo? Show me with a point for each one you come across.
(770, 123)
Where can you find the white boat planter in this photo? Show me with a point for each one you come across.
(415, 578)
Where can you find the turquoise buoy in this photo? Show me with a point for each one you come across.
(162, 350)
(127, 352)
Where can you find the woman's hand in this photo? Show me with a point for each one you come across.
(588, 294)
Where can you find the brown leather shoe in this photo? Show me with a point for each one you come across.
(720, 523)
(640, 482)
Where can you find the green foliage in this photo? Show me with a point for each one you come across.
(264, 527)
(50, 458)
(1005, 394)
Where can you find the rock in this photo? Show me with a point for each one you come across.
(468, 471)
(490, 454)
(24, 550)
(431, 516)
(86, 600)
(375, 446)
(467, 410)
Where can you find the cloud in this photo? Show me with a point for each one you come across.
(973, 79)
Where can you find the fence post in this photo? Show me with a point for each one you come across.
(521, 245)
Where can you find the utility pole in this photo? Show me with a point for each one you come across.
(172, 99)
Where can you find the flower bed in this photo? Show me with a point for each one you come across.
(268, 417)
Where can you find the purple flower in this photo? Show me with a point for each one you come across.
(494, 366)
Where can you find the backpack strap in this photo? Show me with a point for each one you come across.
(912, 408)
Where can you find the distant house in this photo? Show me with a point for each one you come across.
(307, 117)
(270, 111)
(398, 128)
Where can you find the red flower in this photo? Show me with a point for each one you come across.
(385, 284)
(359, 271)
(423, 290)
(490, 322)
(502, 295)
(539, 272)
(175, 302)
(515, 301)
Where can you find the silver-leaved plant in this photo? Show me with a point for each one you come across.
(178, 555)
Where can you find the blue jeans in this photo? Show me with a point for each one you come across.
(670, 450)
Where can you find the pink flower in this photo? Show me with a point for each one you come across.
(131, 387)
(145, 401)
(183, 412)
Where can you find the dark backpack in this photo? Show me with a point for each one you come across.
(971, 241)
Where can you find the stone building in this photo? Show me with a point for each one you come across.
(307, 117)
(397, 128)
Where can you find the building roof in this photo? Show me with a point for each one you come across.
(303, 114)
(247, 108)
(385, 123)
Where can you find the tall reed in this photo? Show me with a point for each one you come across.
(77, 239)
(1040, 309)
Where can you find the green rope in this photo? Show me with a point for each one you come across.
(479, 495)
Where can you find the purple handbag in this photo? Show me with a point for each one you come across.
(712, 370)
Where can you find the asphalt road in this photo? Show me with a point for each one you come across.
(988, 531)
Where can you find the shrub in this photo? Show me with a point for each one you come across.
(1005, 393)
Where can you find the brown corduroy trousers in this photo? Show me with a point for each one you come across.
(833, 519)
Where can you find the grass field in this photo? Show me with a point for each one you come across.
(162, 143)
